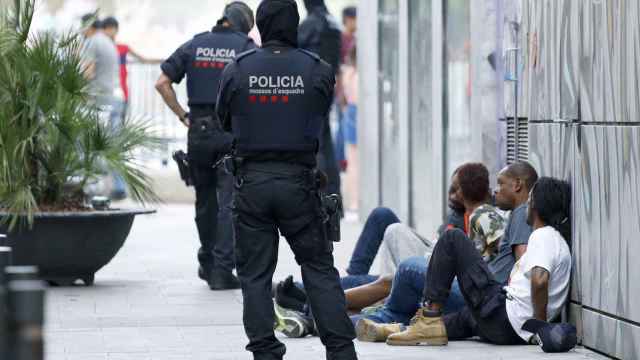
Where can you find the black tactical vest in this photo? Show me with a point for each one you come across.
(211, 52)
(275, 107)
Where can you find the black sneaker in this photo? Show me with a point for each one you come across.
(291, 323)
(222, 280)
(288, 302)
(292, 290)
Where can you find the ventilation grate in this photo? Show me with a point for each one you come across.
(517, 140)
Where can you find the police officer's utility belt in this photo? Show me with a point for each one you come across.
(274, 167)
(329, 206)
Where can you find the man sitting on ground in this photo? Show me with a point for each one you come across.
(383, 236)
(512, 192)
(537, 288)
(469, 183)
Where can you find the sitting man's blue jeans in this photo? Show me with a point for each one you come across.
(370, 239)
(407, 294)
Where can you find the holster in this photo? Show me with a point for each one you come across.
(332, 205)
(183, 167)
(207, 141)
(331, 209)
(232, 164)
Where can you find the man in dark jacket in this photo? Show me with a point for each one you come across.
(320, 33)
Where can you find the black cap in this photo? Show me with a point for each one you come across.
(239, 15)
(349, 12)
(560, 337)
(110, 22)
(312, 4)
(90, 20)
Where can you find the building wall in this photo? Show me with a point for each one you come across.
(578, 86)
(583, 106)
(427, 105)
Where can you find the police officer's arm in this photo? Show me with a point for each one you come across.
(173, 71)
(325, 82)
(225, 96)
(164, 85)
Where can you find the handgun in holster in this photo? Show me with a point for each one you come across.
(331, 207)
(183, 166)
(232, 164)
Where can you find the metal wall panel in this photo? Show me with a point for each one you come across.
(389, 75)
(484, 87)
(553, 151)
(610, 73)
(543, 37)
(426, 186)
(457, 115)
(514, 49)
(610, 336)
(368, 128)
(552, 148)
(569, 59)
(608, 219)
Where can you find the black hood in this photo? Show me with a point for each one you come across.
(312, 4)
(278, 20)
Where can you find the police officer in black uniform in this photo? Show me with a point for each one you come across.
(274, 100)
(202, 59)
(320, 33)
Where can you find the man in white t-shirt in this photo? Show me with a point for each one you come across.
(537, 288)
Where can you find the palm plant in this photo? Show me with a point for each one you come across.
(52, 140)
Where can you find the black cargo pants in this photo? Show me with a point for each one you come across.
(485, 315)
(272, 197)
(213, 219)
(213, 188)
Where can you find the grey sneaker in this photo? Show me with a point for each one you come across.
(291, 323)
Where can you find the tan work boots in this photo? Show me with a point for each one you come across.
(424, 330)
(369, 331)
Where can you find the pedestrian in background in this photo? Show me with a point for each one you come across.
(100, 61)
(349, 23)
(350, 126)
(320, 33)
(111, 28)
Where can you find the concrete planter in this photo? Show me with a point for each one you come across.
(71, 246)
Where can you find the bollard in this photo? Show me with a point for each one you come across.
(5, 260)
(26, 319)
(22, 272)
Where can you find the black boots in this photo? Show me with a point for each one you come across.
(222, 280)
(219, 279)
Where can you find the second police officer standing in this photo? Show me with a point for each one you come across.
(274, 100)
(202, 60)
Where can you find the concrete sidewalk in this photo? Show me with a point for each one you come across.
(149, 305)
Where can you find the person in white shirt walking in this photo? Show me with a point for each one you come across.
(537, 288)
